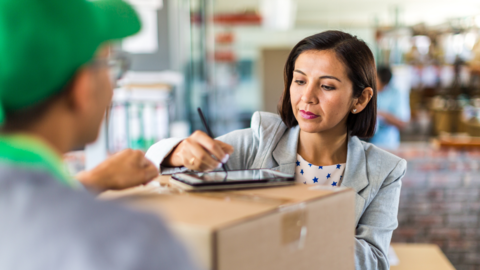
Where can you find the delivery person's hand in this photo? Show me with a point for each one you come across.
(199, 152)
(125, 169)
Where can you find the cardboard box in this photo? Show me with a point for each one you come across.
(295, 227)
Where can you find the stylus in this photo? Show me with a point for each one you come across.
(209, 132)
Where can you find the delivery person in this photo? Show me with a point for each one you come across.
(54, 89)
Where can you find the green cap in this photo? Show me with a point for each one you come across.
(44, 42)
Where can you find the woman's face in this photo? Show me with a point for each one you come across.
(321, 93)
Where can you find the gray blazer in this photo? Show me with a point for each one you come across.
(374, 174)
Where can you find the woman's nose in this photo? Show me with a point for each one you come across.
(309, 95)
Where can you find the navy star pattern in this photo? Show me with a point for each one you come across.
(308, 173)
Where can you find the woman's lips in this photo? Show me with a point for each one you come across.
(308, 115)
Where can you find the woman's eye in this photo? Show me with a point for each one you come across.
(326, 87)
(299, 82)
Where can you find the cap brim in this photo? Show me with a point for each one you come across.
(116, 19)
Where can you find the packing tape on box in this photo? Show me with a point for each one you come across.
(294, 225)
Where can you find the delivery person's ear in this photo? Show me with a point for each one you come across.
(80, 95)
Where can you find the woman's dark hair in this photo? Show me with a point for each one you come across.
(360, 66)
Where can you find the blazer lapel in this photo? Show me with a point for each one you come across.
(285, 154)
(355, 175)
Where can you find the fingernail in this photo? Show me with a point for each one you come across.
(219, 165)
(225, 159)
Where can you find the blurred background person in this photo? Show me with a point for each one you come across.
(393, 111)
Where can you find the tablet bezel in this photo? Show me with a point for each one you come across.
(282, 178)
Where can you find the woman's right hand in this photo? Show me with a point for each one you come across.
(199, 152)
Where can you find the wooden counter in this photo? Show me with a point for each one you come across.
(420, 257)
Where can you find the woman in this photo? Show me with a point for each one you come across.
(328, 102)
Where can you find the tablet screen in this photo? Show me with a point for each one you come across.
(232, 177)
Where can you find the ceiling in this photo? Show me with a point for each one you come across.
(357, 13)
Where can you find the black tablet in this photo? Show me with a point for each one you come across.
(219, 180)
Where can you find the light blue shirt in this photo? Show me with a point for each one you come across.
(390, 100)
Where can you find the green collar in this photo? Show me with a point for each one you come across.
(32, 153)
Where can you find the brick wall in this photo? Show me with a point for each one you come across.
(440, 202)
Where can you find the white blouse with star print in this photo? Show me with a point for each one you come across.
(307, 173)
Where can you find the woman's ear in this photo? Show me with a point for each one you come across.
(362, 101)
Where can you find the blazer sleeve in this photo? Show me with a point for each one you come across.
(160, 150)
(375, 227)
(244, 142)
(245, 145)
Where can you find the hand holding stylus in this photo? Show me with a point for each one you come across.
(199, 152)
